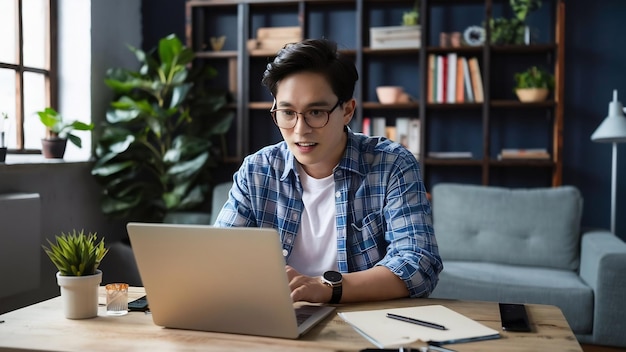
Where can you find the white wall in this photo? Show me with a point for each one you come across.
(93, 37)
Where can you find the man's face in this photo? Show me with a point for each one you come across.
(317, 149)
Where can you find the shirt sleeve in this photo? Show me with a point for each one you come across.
(412, 251)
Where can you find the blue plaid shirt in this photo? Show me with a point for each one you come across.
(383, 215)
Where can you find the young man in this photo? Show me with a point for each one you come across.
(351, 210)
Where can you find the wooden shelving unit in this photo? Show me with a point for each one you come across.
(487, 123)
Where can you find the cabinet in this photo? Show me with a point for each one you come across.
(500, 121)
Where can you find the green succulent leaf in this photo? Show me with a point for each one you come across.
(76, 253)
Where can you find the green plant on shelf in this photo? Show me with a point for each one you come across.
(513, 30)
(411, 18)
(534, 77)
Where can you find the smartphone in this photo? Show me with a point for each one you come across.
(514, 317)
(138, 305)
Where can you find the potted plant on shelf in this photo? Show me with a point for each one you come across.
(77, 256)
(513, 30)
(533, 85)
(163, 134)
(411, 18)
(58, 132)
(3, 147)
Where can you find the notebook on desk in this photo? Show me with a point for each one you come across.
(229, 280)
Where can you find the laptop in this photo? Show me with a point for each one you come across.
(230, 280)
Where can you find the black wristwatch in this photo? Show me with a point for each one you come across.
(334, 279)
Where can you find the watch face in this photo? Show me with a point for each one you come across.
(333, 277)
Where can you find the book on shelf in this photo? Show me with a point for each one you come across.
(460, 83)
(533, 153)
(477, 80)
(440, 78)
(469, 91)
(367, 126)
(451, 78)
(450, 155)
(407, 133)
(414, 136)
(432, 60)
(383, 332)
(379, 125)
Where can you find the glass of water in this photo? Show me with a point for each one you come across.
(117, 299)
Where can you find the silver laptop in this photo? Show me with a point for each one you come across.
(230, 280)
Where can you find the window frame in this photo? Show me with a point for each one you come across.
(49, 72)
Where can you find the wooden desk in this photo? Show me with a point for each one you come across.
(42, 327)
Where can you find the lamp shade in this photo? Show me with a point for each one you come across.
(613, 128)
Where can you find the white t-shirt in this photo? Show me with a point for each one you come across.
(315, 248)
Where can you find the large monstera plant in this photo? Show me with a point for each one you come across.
(163, 135)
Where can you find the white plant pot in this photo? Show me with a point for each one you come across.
(79, 295)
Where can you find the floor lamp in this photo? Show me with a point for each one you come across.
(612, 130)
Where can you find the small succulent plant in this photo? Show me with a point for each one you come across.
(76, 253)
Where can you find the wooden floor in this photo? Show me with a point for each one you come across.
(595, 348)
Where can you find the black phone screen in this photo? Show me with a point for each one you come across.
(514, 317)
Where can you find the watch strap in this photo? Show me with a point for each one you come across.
(337, 292)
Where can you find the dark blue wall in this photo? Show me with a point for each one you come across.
(595, 64)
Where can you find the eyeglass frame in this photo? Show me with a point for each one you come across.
(273, 111)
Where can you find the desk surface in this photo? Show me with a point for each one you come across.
(42, 327)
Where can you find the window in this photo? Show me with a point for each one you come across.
(27, 70)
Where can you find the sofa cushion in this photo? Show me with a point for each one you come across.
(518, 284)
(536, 227)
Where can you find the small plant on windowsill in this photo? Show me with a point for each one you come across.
(3, 147)
(59, 131)
(533, 85)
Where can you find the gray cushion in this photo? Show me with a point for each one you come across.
(517, 284)
(536, 227)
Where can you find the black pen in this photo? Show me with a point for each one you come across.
(416, 321)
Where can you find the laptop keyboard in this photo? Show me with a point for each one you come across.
(305, 312)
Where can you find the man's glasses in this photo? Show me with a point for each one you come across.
(315, 118)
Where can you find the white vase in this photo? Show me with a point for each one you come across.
(79, 295)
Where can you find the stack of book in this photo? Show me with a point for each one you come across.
(454, 79)
(450, 155)
(537, 153)
(405, 131)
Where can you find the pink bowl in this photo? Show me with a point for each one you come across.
(389, 94)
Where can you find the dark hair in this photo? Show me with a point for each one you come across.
(313, 55)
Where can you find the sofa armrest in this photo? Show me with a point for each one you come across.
(603, 267)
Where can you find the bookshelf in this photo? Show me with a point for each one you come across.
(499, 122)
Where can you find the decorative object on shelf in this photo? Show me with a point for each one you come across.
(3, 147)
(444, 40)
(395, 37)
(163, 134)
(474, 36)
(612, 130)
(455, 39)
(274, 38)
(77, 256)
(513, 30)
(411, 18)
(392, 95)
(217, 43)
(58, 132)
(533, 85)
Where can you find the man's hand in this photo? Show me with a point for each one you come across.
(307, 288)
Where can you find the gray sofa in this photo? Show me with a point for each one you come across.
(526, 246)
